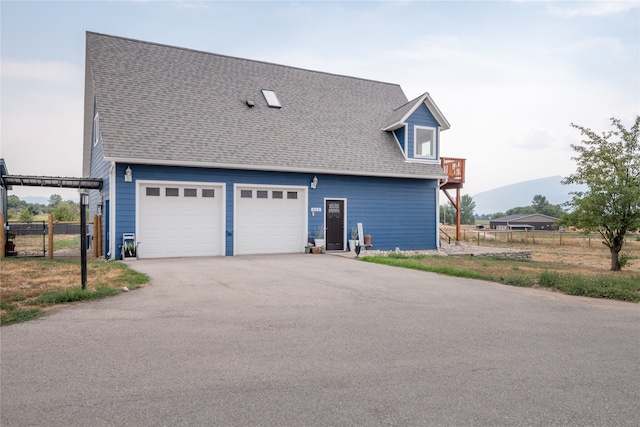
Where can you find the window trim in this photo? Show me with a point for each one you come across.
(434, 145)
(96, 129)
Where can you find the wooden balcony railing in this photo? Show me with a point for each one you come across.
(454, 168)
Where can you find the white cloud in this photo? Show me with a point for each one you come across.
(591, 8)
(39, 70)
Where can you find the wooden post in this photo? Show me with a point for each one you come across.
(457, 214)
(3, 239)
(561, 238)
(50, 236)
(95, 226)
(478, 238)
(98, 236)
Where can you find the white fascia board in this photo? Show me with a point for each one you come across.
(433, 108)
(444, 123)
(394, 126)
(266, 168)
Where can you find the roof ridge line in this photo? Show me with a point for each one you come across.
(239, 58)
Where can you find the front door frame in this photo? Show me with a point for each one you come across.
(344, 220)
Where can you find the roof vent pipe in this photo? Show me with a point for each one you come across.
(250, 104)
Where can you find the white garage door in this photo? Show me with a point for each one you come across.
(179, 220)
(269, 220)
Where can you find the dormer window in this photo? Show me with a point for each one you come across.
(424, 142)
(271, 98)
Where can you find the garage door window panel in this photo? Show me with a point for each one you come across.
(153, 191)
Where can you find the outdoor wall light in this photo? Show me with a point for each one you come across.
(99, 208)
(127, 174)
(314, 182)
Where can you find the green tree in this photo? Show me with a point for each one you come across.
(66, 211)
(539, 201)
(55, 200)
(609, 165)
(467, 206)
(447, 214)
(523, 210)
(26, 215)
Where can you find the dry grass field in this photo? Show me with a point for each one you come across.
(30, 287)
(579, 254)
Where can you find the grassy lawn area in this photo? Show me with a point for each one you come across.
(29, 287)
(557, 275)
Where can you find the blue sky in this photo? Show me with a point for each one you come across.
(510, 76)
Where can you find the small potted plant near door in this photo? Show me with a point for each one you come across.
(354, 238)
(320, 237)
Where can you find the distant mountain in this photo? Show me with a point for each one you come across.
(502, 199)
(38, 200)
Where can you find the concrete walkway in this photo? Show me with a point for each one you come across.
(300, 340)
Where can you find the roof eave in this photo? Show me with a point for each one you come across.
(268, 168)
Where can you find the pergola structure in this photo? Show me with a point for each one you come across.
(52, 181)
(8, 181)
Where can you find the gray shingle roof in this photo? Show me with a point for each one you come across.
(166, 105)
(518, 217)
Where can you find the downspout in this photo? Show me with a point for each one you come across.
(112, 210)
(438, 240)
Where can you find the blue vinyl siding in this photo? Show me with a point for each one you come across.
(396, 212)
(422, 117)
(99, 168)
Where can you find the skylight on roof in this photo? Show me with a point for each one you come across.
(272, 99)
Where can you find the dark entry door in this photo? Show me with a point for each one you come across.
(335, 225)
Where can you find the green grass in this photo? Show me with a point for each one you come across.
(75, 294)
(71, 243)
(520, 273)
(620, 288)
(415, 262)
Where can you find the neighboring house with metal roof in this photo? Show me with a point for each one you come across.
(524, 222)
(206, 154)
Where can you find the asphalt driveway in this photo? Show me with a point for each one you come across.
(304, 340)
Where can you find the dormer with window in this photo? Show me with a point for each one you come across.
(416, 128)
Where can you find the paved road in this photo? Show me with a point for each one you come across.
(305, 340)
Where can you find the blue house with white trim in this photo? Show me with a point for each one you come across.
(204, 154)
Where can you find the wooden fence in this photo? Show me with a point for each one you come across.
(540, 237)
(94, 228)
